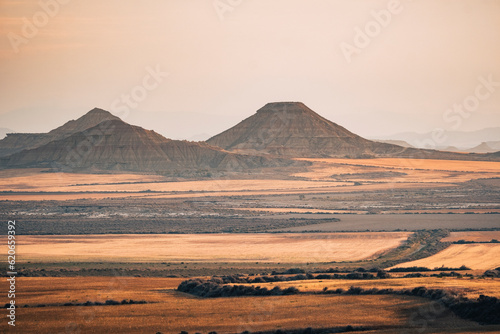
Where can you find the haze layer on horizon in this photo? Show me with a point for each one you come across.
(188, 68)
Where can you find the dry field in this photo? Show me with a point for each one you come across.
(471, 288)
(172, 312)
(360, 212)
(312, 188)
(283, 248)
(417, 170)
(474, 256)
(475, 236)
(299, 210)
(391, 222)
(67, 182)
(324, 176)
(36, 180)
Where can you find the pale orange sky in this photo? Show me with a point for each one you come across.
(90, 52)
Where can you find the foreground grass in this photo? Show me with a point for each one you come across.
(471, 288)
(169, 311)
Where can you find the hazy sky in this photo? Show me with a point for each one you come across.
(227, 58)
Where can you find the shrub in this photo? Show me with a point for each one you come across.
(111, 302)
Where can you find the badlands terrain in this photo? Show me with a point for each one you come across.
(286, 222)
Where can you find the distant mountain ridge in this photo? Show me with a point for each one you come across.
(482, 148)
(461, 140)
(4, 131)
(90, 119)
(274, 136)
(16, 142)
(292, 129)
(113, 145)
(394, 142)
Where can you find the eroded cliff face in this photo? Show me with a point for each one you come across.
(292, 129)
(278, 132)
(114, 145)
(16, 142)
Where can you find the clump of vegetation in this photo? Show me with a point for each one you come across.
(109, 302)
(308, 330)
(408, 269)
(463, 242)
(420, 269)
(492, 273)
(360, 273)
(414, 275)
(211, 289)
(452, 274)
(290, 271)
(419, 245)
(484, 309)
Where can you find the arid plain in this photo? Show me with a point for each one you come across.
(84, 265)
(286, 222)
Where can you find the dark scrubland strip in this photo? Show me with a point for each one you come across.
(43, 225)
(485, 309)
(420, 269)
(419, 245)
(326, 330)
(109, 302)
(310, 330)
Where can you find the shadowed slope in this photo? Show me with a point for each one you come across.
(117, 146)
(292, 129)
(16, 142)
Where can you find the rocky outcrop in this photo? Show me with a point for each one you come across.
(16, 142)
(292, 129)
(481, 148)
(114, 145)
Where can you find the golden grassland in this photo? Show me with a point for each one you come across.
(269, 247)
(417, 170)
(324, 176)
(171, 311)
(475, 236)
(311, 210)
(471, 288)
(474, 256)
(63, 182)
(36, 180)
(425, 164)
(330, 188)
(298, 210)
